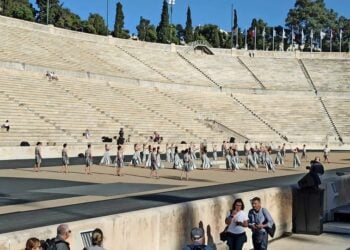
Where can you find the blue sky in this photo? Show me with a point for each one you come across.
(203, 11)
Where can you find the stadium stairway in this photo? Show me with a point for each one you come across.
(201, 71)
(307, 75)
(251, 72)
(283, 137)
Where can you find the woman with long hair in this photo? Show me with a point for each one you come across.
(236, 221)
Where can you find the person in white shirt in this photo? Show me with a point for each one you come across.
(326, 151)
(237, 221)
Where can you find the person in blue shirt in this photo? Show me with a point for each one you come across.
(259, 221)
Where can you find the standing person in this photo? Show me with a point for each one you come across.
(279, 157)
(193, 151)
(136, 160)
(144, 154)
(236, 220)
(96, 240)
(303, 153)
(186, 166)
(246, 148)
(106, 159)
(119, 160)
(228, 157)
(168, 152)
(192, 161)
(88, 159)
(296, 160)
(65, 159)
(159, 159)
(268, 161)
(250, 160)
(224, 149)
(259, 220)
(215, 152)
(172, 154)
(326, 151)
(177, 160)
(206, 163)
(38, 157)
(148, 160)
(153, 157)
(235, 160)
(283, 151)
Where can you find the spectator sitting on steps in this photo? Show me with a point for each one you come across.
(6, 125)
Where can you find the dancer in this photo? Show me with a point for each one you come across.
(177, 160)
(192, 156)
(168, 152)
(38, 157)
(251, 162)
(144, 154)
(88, 159)
(283, 151)
(303, 153)
(65, 159)
(279, 158)
(326, 151)
(153, 157)
(228, 157)
(159, 159)
(193, 151)
(172, 154)
(296, 160)
(119, 161)
(136, 160)
(106, 159)
(206, 163)
(268, 161)
(148, 161)
(224, 149)
(215, 153)
(235, 159)
(186, 166)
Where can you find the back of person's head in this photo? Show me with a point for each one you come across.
(97, 237)
(89, 145)
(65, 145)
(33, 244)
(197, 235)
(63, 231)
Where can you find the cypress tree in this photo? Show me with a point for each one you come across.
(119, 21)
(163, 29)
(189, 27)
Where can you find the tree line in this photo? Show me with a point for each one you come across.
(308, 24)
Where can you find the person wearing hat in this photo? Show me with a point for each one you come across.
(197, 237)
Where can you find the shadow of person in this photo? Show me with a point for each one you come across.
(210, 241)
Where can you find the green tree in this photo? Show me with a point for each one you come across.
(54, 11)
(310, 15)
(189, 27)
(95, 25)
(163, 29)
(146, 31)
(21, 9)
(119, 23)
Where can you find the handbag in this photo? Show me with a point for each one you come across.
(223, 234)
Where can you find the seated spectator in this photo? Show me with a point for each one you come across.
(87, 134)
(33, 244)
(156, 137)
(96, 240)
(197, 237)
(54, 76)
(6, 125)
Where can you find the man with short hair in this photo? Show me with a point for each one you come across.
(63, 233)
(197, 237)
(259, 220)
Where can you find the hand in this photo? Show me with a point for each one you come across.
(260, 226)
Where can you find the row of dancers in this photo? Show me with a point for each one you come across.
(150, 157)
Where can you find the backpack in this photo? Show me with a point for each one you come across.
(51, 244)
(270, 230)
